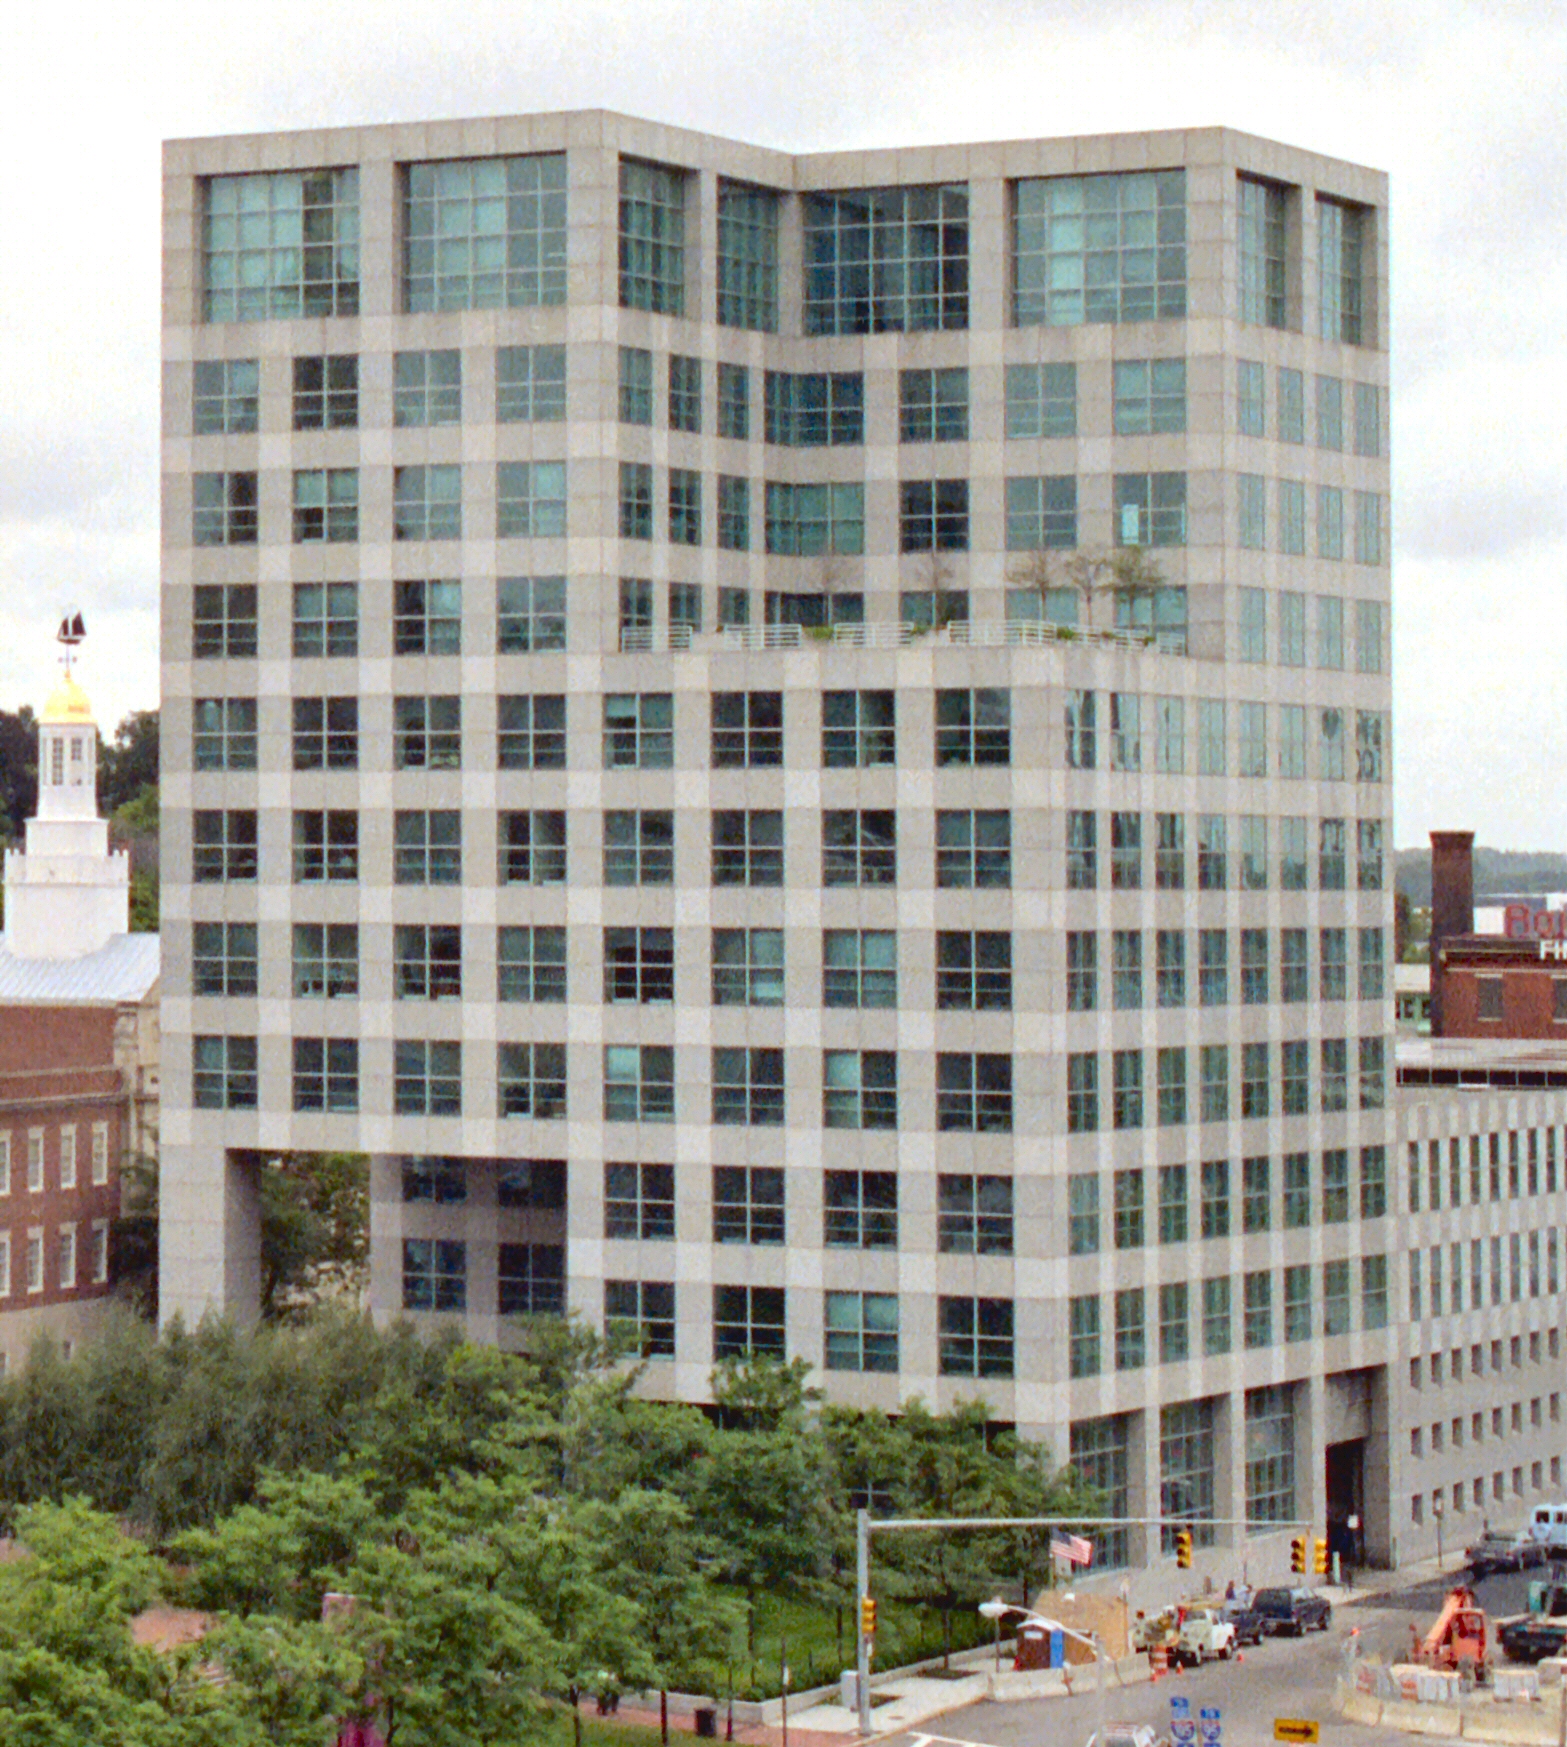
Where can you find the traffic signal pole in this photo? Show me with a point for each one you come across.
(864, 1528)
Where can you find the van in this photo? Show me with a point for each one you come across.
(1548, 1525)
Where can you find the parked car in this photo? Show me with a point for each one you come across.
(1504, 1550)
(1291, 1613)
(1243, 1615)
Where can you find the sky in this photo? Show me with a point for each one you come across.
(1458, 101)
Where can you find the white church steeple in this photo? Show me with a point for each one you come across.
(66, 895)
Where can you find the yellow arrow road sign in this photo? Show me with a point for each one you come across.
(1294, 1729)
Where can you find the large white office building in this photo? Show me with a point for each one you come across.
(798, 748)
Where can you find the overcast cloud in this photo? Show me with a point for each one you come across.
(1459, 102)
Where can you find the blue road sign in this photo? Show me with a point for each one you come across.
(1179, 1706)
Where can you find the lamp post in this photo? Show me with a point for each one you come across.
(997, 1610)
(1436, 1511)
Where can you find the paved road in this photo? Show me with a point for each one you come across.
(1278, 1678)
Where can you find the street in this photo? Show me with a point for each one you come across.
(1281, 1677)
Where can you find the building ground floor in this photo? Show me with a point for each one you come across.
(1391, 1436)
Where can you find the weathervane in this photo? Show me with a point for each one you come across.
(71, 632)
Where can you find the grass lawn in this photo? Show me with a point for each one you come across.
(817, 1654)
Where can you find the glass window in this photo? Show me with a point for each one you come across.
(636, 386)
(427, 848)
(861, 1331)
(427, 618)
(1341, 240)
(1330, 521)
(530, 964)
(933, 515)
(427, 502)
(1150, 509)
(685, 506)
(639, 731)
(426, 733)
(860, 1210)
(973, 1215)
(326, 960)
(223, 961)
(747, 257)
(859, 967)
(652, 237)
(530, 385)
(326, 504)
(1150, 396)
(814, 410)
(223, 621)
(485, 233)
(325, 1073)
(685, 393)
(974, 727)
(734, 517)
(426, 1078)
(1252, 511)
(435, 1274)
(427, 388)
(748, 1320)
(640, 1315)
(639, 1083)
(881, 260)
(223, 846)
(1251, 398)
(933, 405)
(859, 848)
(1099, 248)
(1261, 250)
(812, 520)
(1042, 514)
(1330, 413)
(748, 967)
(859, 728)
(530, 614)
(639, 966)
(748, 1204)
(1368, 419)
(973, 849)
(225, 396)
(530, 1280)
(974, 1093)
(1041, 400)
(326, 619)
(974, 1337)
(530, 499)
(531, 732)
(280, 244)
(748, 1087)
(859, 1088)
(426, 961)
(734, 401)
(639, 847)
(223, 733)
(748, 847)
(223, 509)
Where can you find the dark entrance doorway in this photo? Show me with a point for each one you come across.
(1346, 1489)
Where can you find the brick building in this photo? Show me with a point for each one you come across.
(78, 1045)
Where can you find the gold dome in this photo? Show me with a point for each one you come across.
(67, 705)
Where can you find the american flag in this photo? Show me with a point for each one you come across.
(1073, 1549)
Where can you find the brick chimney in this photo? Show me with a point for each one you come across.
(1452, 904)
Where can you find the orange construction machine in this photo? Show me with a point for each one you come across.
(1459, 1639)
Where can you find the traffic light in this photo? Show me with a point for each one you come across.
(1319, 1561)
(867, 1616)
(1298, 1554)
(1183, 1549)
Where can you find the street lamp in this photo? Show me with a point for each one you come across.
(997, 1610)
(1436, 1511)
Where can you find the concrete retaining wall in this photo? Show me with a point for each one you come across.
(1482, 1719)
